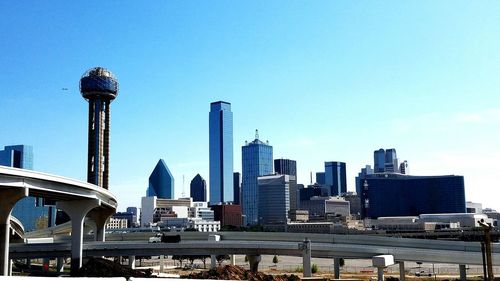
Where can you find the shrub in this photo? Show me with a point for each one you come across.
(314, 268)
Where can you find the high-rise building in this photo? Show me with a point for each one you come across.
(335, 177)
(403, 168)
(135, 212)
(99, 87)
(391, 161)
(320, 178)
(391, 194)
(257, 160)
(379, 160)
(288, 167)
(221, 152)
(274, 201)
(161, 182)
(367, 170)
(31, 211)
(386, 161)
(237, 188)
(285, 167)
(198, 189)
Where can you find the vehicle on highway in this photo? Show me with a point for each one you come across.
(163, 238)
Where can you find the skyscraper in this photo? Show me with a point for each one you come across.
(273, 199)
(386, 161)
(320, 178)
(335, 177)
(285, 167)
(237, 188)
(391, 161)
(288, 167)
(221, 152)
(198, 189)
(379, 160)
(161, 182)
(31, 211)
(99, 87)
(257, 160)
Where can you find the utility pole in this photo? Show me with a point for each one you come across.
(487, 244)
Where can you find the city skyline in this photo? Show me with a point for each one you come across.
(420, 78)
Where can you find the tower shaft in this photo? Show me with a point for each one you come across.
(98, 143)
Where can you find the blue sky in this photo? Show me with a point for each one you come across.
(321, 80)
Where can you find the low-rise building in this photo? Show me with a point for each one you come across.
(114, 223)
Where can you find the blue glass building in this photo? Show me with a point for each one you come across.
(320, 178)
(335, 177)
(389, 194)
(379, 160)
(198, 189)
(221, 152)
(30, 210)
(161, 182)
(256, 161)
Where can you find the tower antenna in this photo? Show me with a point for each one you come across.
(256, 134)
(183, 194)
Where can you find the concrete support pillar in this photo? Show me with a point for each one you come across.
(213, 261)
(463, 272)
(254, 260)
(336, 268)
(131, 262)
(60, 264)
(162, 263)
(232, 259)
(380, 273)
(306, 257)
(77, 210)
(401, 271)
(8, 198)
(100, 218)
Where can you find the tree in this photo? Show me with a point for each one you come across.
(275, 260)
(204, 260)
(221, 258)
(178, 258)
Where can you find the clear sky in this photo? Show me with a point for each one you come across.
(321, 80)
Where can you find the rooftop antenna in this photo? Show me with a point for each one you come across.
(183, 194)
(311, 176)
(256, 134)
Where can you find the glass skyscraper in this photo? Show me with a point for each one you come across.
(161, 182)
(335, 177)
(257, 160)
(30, 210)
(198, 189)
(221, 152)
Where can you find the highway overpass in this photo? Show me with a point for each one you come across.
(78, 199)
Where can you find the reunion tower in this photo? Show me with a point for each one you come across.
(99, 87)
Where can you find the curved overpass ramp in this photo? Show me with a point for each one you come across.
(78, 199)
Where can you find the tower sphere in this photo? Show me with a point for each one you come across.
(98, 82)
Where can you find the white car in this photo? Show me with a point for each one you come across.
(155, 239)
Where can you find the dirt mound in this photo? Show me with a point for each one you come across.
(99, 267)
(234, 272)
